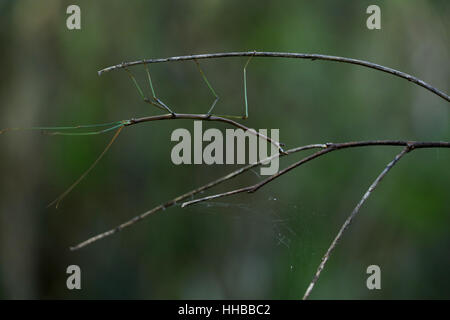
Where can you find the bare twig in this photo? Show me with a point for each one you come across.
(310, 56)
(203, 117)
(348, 221)
(188, 195)
(328, 147)
(215, 196)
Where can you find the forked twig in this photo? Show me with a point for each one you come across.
(328, 147)
(349, 220)
(189, 194)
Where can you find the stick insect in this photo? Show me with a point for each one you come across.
(119, 125)
(154, 100)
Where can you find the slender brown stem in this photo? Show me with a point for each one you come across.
(309, 56)
(345, 145)
(329, 148)
(215, 196)
(203, 117)
(349, 220)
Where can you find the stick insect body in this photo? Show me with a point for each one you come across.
(155, 101)
(119, 125)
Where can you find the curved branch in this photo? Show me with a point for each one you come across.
(329, 148)
(309, 56)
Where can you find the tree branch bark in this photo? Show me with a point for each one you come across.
(309, 56)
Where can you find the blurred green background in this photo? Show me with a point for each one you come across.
(264, 245)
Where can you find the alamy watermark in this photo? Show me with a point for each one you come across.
(373, 22)
(192, 151)
(374, 280)
(73, 21)
(74, 279)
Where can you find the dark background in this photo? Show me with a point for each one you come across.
(263, 245)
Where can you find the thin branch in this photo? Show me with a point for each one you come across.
(330, 147)
(204, 117)
(325, 147)
(310, 56)
(348, 221)
(216, 196)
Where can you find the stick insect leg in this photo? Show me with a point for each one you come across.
(245, 116)
(157, 103)
(209, 86)
(245, 88)
(65, 193)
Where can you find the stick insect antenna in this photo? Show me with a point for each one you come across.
(58, 200)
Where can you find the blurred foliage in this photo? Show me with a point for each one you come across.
(263, 245)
